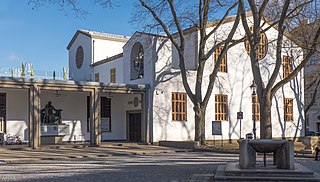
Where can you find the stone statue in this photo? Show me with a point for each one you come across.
(50, 115)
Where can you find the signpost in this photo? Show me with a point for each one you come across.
(217, 130)
(240, 116)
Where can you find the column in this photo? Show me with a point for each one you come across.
(97, 119)
(145, 117)
(34, 117)
(95, 131)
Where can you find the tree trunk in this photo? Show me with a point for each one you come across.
(199, 121)
(265, 119)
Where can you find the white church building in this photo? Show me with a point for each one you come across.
(130, 88)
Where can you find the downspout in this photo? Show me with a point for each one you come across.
(92, 61)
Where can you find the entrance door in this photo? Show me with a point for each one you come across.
(2, 112)
(134, 127)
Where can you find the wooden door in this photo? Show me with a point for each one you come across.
(134, 127)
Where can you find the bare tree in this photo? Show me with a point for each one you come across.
(172, 18)
(73, 5)
(312, 88)
(284, 13)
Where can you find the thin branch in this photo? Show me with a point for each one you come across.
(300, 66)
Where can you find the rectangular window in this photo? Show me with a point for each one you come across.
(287, 65)
(256, 106)
(105, 114)
(288, 109)
(221, 107)
(179, 106)
(113, 75)
(223, 65)
(96, 77)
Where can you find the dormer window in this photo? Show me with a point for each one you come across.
(137, 61)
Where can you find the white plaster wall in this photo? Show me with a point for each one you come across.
(311, 72)
(106, 48)
(17, 112)
(74, 112)
(85, 72)
(164, 79)
(236, 84)
(120, 104)
(104, 71)
(149, 47)
(190, 54)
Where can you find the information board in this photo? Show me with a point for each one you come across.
(105, 124)
(216, 128)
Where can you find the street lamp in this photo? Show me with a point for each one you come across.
(254, 95)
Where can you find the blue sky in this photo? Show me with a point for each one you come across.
(41, 36)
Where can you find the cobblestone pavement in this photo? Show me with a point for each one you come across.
(169, 167)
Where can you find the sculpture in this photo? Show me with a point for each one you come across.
(50, 117)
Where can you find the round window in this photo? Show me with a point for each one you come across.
(79, 57)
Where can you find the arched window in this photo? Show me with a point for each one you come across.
(79, 57)
(262, 47)
(137, 61)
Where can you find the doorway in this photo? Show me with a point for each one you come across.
(3, 113)
(134, 127)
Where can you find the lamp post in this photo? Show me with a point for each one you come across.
(254, 95)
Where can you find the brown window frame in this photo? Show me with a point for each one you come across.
(221, 107)
(287, 65)
(288, 109)
(113, 75)
(257, 107)
(262, 47)
(179, 106)
(223, 66)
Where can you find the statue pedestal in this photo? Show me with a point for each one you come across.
(53, 133)
(48, 140)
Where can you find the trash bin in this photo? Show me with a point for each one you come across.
(249, 136)
(1, 138)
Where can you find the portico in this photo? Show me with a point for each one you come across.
(81, 108)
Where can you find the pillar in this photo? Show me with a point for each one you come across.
(95, 131)
(145, 116)
(34, 117)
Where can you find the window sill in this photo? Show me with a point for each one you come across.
(179, 121)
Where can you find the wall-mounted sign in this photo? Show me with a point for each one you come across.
(105, 124)
(135, 102)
